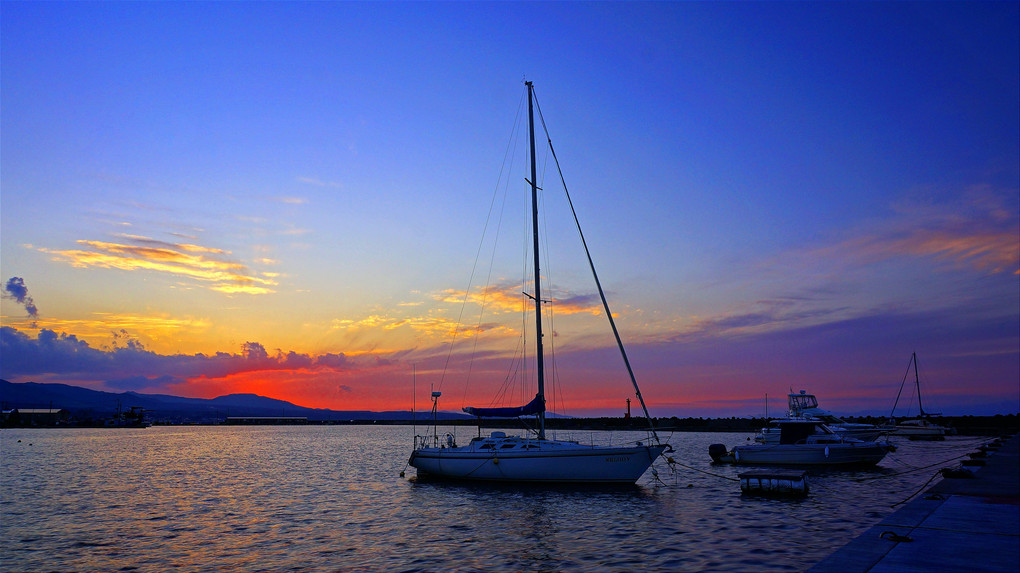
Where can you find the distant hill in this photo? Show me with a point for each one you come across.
(86, 403)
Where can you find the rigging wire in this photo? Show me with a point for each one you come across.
(918, 391)
(552, 379)
(517, 371)
(488, 279)
(915, 392)
(516, 379)
(481, 243)
(902, 383)
(591, 263)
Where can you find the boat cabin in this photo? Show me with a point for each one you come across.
(500, 441)
(798, 431)
(802, 401)
(805, 405)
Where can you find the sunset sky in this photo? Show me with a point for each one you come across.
(288, 199)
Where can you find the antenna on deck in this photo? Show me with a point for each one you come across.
(435, 415)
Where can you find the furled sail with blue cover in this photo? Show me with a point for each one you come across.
(533, 407)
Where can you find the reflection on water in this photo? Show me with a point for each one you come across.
(330, 498)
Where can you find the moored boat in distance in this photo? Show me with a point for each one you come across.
(134, 417)
(804, 406)
(922, 427)
(804, 442)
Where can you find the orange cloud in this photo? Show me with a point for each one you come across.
(979, 233)
(182, 259)
(157, 332)
(993, 251)
(505, 298)
(436, 326)
(104, 322)
(498, 299)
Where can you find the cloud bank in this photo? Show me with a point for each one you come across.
(127, 365)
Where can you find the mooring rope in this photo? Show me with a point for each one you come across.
(911, 470)
(673, 462)
(937, 474)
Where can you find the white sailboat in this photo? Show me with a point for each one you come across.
(535, 458)
(922, 427)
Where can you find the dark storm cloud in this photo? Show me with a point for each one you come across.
(16, 289)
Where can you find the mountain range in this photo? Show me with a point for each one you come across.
(86, 403)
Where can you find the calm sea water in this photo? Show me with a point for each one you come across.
(330, 498)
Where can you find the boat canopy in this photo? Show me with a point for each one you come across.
(533, 407)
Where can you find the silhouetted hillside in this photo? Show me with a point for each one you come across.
(84, 403)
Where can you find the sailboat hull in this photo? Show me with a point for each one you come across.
(920, 430)
(546, 461)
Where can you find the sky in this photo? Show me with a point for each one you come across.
(310, 201)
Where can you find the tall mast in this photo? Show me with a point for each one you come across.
(917, 384)
(540, 364)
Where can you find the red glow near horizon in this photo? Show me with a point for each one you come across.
(386, 390)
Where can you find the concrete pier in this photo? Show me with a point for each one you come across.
(959, 524)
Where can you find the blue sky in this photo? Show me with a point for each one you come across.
(777, 194)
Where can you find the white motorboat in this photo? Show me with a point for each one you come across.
(922, 427)
(499, 457)
(804, 442)
(804, 406)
